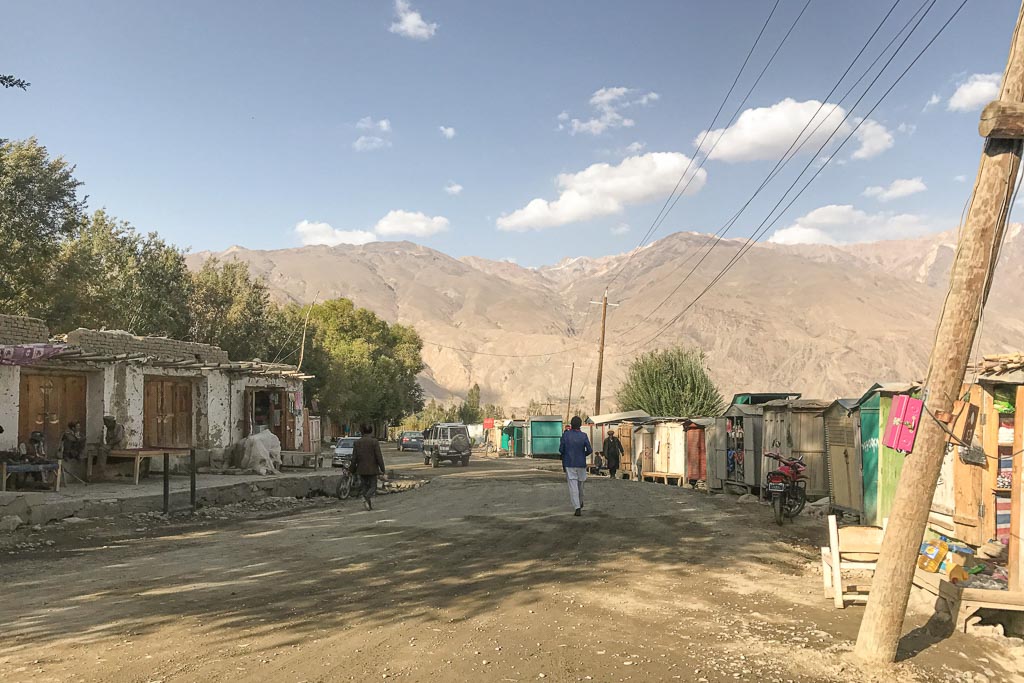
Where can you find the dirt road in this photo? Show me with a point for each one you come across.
(481, 575)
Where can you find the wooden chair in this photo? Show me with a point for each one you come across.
(851, 547)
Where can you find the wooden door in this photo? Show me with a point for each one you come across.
(167, 413)
(696, 454)
(287, 402)
(48, 404)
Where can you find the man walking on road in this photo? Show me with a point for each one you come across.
(612, 449)
(575, 447)
(367, 462)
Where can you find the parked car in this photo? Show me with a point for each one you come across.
(447, 441)
(343, 451)
(410, 441)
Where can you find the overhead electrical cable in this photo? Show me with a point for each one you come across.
(710, 127)
(765, 225)
(788, 155)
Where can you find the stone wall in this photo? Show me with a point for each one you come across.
(15, 329)
(161, 347)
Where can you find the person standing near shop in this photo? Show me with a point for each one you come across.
(574, 448)
(613, 451)
(368, 463)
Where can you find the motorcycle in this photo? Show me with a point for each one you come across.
(787, 486)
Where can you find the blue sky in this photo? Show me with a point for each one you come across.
(235, 122)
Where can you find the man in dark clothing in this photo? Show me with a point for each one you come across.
(367, 462)
(612, 452)
(574, 448)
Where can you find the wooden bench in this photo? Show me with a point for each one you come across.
(7, 469)
(851, 548)
(136, 454)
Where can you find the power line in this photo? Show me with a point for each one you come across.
(763, 228)
(710, 127)
(736, 113)
(790, 153)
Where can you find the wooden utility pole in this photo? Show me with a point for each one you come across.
(568, 403)
(970, 278)
(600, 351)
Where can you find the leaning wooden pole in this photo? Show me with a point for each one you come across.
(970, 279)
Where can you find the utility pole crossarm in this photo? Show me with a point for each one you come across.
(970, 278)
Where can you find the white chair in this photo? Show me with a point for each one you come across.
(850, 548)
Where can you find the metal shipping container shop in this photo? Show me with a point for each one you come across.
(796, 429)
(545, 436)
(842, 443)
(738, 447)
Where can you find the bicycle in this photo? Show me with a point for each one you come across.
(348, 485)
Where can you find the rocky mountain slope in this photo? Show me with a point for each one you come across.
(825, 321)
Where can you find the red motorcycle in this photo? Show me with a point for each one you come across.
(787, 486)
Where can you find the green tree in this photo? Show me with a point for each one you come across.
(230, 308)
(8, 81)
(671, 383)
(495, 411)
(469, 411)
(39, 210)
(368, 369)
(123, 280)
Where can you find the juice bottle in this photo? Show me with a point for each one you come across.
(932, 555)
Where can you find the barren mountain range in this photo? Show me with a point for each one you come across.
(826, 321)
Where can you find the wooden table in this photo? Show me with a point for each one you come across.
(136, 454)
(7, 469)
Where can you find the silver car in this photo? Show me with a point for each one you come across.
(343, 451)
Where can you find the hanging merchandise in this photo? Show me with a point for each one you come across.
(1004, 400)
(904, 421)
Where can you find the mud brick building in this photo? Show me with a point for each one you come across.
(166, 393)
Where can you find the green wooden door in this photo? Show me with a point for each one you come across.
(869, 457)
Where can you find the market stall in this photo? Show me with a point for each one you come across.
(795, 428)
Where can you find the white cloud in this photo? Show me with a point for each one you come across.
(621, 229)
(416, 224)
(874, 139)
(310, 232)
(608, 102)
(843, 224)
(410, 23)
(447, 132)
(635, 147)
(768, 132)
(365, 143)
(901, 187)
(974, 93)
(906, 128)
(932, 101)
(960, 178)
(453, 188)
(367, 123)
(604, 190)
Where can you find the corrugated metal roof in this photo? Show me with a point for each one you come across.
(629, 416)
(757, 398)
(889, 388)
(800, 404)
(848, 403)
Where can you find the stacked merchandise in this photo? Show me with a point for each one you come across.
(1004, 404)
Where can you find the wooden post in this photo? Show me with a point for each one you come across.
(568, 403)
(167, 483)
(970, 279)
(600, 354)
(192, 477)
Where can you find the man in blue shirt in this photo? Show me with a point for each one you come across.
(575, 447)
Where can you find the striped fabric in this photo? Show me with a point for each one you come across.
(1003, 518)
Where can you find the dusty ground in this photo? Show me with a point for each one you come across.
(481, 575)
